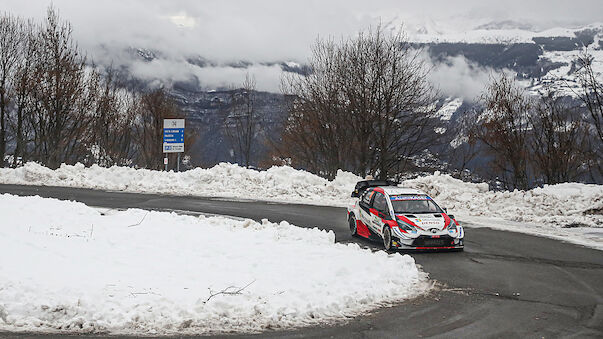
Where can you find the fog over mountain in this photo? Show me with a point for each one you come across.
(231, 38)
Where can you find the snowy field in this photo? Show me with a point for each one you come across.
(572, 211)
(81, 270)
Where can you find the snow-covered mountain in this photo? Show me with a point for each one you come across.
(467, 57)
(508, 32)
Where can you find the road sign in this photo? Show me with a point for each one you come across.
(173, 135)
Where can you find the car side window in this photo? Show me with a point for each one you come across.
(380, 204)
(366, 199)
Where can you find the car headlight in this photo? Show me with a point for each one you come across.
(405, 226)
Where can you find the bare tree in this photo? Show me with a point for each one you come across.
(113, 121)
(366, 106)
(63, 94)
(592, 91)
(559, 140)
(23, 83)
(591, 94)
(242, 121)
(312, 134)
(60, 109)
(463, 153)
(504, 129)
(11, 41)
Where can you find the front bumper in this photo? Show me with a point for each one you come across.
(422, 248)
(442, 241)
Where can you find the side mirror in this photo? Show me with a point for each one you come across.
(451, 216)
(355, 194)
(445, 210)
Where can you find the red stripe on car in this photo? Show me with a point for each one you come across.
(390, 223)
(408, 221)
(362, 229)
(446, 220)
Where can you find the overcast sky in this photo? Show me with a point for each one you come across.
(275, 30)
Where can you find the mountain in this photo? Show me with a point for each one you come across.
(538, 57)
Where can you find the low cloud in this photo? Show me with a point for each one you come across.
(265, 31)
(210, 77)
(268, 78)
(453, 77)
(269, 30)
(459, 77)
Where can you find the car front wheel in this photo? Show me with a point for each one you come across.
(387, 238)
(353, 225)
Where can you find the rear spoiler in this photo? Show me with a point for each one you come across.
(362, 186)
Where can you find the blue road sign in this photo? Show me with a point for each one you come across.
(173, 135)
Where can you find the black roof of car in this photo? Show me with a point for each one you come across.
(363, 185)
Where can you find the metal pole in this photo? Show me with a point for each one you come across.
(178, 163)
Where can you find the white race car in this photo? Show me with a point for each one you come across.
(402, 218)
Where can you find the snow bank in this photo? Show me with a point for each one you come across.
(561, 205)
(570, 205)
(224, 180)
(69, 268)
(569, 211)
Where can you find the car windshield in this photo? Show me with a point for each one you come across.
(414, 204)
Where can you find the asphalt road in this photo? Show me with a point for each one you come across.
(505, 284)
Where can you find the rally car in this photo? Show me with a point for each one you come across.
(402, 218)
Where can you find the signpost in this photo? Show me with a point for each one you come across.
(173, 138)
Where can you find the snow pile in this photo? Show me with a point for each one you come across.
(69, 268)
(564, 206)
(561, 205)
(224, 180)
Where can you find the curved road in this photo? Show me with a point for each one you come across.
(505, 285)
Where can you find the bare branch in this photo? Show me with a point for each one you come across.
(230, 290)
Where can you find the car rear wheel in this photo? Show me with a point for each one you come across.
(353, 225)
(387, 238)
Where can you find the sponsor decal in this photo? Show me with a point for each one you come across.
(409, 197)
(429, 222)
